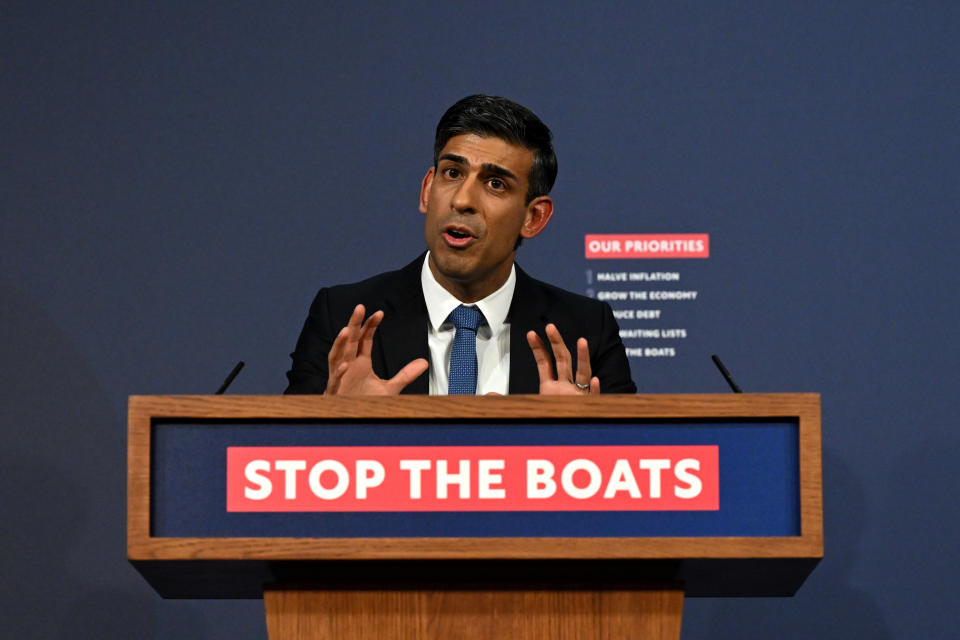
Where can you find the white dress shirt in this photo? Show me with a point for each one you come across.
(493, 336)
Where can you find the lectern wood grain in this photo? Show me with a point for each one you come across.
(474, 615)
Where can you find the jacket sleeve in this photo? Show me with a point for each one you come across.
(609, 361)
(309, 372)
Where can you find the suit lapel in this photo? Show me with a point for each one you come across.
(403, 334)
(527, 311)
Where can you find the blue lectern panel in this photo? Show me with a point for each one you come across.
(758, 479)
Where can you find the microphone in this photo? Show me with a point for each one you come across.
(233, 374)
(726, 374)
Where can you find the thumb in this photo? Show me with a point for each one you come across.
(408, 374)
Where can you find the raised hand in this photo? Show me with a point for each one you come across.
(565, 381)
(351, 369)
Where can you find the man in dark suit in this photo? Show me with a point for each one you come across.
(487, 190)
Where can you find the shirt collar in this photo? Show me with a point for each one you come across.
(441, 302)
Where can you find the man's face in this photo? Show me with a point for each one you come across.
(475, 203)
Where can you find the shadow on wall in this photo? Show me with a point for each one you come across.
(64, 567)
(828, 605)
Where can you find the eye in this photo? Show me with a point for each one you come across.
(451, 172)
(497, 184)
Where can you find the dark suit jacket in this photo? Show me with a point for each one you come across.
(402, 336)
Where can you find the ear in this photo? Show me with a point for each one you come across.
(425, 190)
(539, 212)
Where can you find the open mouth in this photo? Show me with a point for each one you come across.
(458, 236)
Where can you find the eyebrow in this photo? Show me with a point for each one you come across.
(494, 169)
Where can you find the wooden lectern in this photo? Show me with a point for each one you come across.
(491, 575)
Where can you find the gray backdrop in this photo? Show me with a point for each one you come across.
(177, 179)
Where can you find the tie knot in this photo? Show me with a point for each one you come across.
(464, 317)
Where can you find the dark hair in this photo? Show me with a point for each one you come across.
(501, 118)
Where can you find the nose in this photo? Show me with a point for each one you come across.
(464, 198)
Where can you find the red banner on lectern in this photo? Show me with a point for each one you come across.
(473, 478)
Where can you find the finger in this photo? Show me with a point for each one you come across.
(583, 362)
(366, 336)
(336, 377)
(356, 316)
(595, 385)
(544, 366)
(354, 326)
(337, 349)
(561, 354)
(408, 374)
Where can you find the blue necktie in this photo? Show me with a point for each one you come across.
(463, 355)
